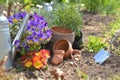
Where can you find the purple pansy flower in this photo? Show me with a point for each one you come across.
(17, 45)
(36, 32)
(29, 39)
(16, 17)
(25, 46)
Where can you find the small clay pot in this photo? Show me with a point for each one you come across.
(62, 32)
(64, 44)
(57, 57)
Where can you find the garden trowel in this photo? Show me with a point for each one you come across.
(103, 54)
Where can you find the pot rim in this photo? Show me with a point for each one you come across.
(71, 32)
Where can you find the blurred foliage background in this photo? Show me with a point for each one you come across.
(105, 7)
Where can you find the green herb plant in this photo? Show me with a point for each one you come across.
(94, 44)
(67, 16)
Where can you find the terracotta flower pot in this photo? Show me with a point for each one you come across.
(61, 32)
(64, 44)
(57, 57)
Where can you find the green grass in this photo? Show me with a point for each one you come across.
(102, 6)
(2, 1)
(112, 28)
(115, 77)
(111, 31)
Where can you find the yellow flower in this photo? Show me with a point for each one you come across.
(38, 64)
(41, 39)
(30, 42)
(37, 43)
(15, 20)
(38, 53)
(28, 63)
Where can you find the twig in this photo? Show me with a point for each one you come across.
(23, 6)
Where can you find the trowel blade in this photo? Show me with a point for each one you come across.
(101, 56)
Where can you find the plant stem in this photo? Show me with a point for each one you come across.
(23, 6)
(9, 8)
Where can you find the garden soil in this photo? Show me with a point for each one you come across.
(77, 68)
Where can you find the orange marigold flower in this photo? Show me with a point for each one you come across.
(38, 64)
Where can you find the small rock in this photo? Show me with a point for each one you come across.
(21, 79)
(40, 79)
(57, 73)
(77, 57)
(71, 63)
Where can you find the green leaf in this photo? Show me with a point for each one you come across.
(27, 1)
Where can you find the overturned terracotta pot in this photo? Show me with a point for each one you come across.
(62, 47)
(57, 57)
(64, 44)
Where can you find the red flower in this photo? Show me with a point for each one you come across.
(46, 53)
(43, 59)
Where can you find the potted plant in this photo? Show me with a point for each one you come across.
(62, 32)
(36, 33)
(67, 16)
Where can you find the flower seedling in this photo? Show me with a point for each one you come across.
(94, 43)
